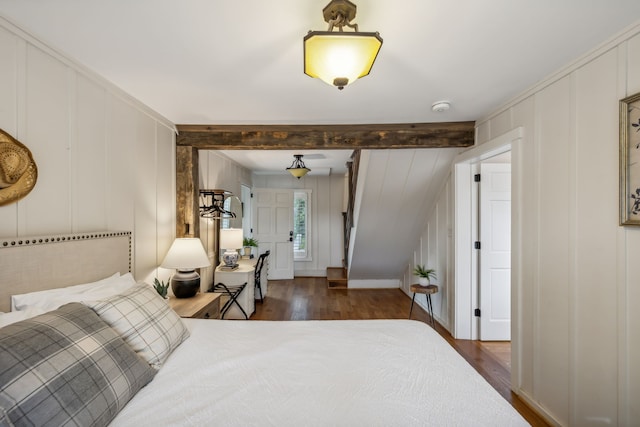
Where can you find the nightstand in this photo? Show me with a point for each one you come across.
(204, 305)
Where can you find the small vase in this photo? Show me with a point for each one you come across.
(424, 281)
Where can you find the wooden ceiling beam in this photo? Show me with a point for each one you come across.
(291, 137)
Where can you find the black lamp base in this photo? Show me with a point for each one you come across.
(185, 283)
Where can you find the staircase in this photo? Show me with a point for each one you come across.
(396, 190)
(347, 217)
(337, 278)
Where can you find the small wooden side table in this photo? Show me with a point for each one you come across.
(204, 305)
(427, 291)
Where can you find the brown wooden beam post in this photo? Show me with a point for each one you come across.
(187, 192)
(291, 137)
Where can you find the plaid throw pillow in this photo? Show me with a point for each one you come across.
(66, 367)
(145, 321)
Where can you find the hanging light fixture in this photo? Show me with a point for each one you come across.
(298, 168)
(340, 58)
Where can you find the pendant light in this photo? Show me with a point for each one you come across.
(337, 57)
(298, 168)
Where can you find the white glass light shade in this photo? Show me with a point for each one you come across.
(340, 58)
(298, 168)
(231, 238)
(186, 254)
(298, 172)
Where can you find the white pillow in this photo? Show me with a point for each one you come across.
(21, 301)
(54, 298)
(17, 316)
(145, 321)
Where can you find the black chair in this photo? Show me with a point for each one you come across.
(258, 271)
(232, 292)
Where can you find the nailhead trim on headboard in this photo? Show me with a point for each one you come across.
(41, 240)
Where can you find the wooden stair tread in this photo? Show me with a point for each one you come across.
(337, 278)
(336, 273)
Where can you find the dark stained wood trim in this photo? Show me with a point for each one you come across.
(288, 137)
(187, 192)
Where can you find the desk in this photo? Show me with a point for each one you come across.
(244, 273)
(251, 262)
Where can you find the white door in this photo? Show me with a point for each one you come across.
(495, 252)
(273, 228)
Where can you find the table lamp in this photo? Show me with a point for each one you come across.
(231, 240)
(185, 255)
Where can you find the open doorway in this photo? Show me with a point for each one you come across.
(505, 149)
(468, 227)
(494, 257)
(245, 198)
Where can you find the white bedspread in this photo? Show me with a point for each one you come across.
(316, 373)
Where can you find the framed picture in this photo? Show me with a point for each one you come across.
(630, 160)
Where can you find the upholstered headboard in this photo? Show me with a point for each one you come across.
(29, 264)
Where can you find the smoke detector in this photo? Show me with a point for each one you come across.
(440, 106)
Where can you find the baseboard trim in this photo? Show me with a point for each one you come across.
(309, 273)
(537, 408)
(374, 284)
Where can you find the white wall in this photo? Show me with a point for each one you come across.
(435, 250)
(327, 194)
(578, 327)
(105, 161)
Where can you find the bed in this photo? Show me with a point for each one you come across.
(297, 373)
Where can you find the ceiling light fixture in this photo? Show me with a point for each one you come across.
(297, 168)
(340, 58)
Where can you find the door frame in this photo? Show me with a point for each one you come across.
(465, 229)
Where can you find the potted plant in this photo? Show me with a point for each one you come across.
(248, 243)
(160, 287)
(424, 274)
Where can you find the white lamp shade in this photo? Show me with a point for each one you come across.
(231, 238)
(186, 253)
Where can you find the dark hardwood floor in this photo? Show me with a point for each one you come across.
(308, 298)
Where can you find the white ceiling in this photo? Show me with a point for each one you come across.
(240, 62)
(321, 162)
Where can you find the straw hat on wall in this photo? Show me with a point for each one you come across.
(18, 171)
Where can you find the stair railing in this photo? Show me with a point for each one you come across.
(352, 167)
